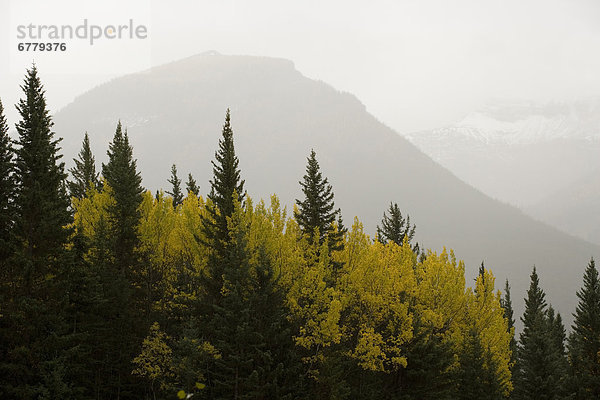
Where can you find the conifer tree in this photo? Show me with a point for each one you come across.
(121, 174)
(123, 278)
(476, 378)
(175, 192)
(7, 196)
(191, 185)
(33, 332)
(84, 173)
(41, 201)
(249, 328)
(584, 341)
(558, 337)
(537, 356)
(394, 228)
(317, 212)
(7, 247)
(225, 184)
(506, 304)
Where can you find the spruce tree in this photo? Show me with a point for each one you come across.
(34, 337)
(558, 336)
(175, 192)
(84, 173)
(122, 279)
(7, 198)
(191, 185)
(506, 304)
(317, 212)
(225, 184)
(395, 228)
(538, 355)
(121, 174)
(250, 329)
(41, 200)
(476, 377)
(584, 341)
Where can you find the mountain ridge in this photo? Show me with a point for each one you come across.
(174, 114)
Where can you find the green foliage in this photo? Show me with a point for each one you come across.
(35, 341)
(84, 173)
(121, 174)
(506, 304)
(394, 228)
(584, 341)
(191, 185)
(41, 200)
(540, 354)
(175, 192)
(316, 214)
(7, 194)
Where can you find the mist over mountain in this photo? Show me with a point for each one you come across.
(542, 158)
(174, 114)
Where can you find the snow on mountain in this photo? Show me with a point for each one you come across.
(523, 153)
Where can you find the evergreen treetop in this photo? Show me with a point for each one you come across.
(191, 185)
(225, 182)
(122, 176)
(394, 228)
(41, 200)
(84, 173)
(7, 187)
(175, 192)
(584, 341)
(317, 212)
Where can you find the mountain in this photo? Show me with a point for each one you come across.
(542, 158)
(174, 114)
(574, 209)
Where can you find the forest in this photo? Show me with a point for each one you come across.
(109, 291)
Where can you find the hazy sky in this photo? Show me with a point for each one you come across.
(414, 64)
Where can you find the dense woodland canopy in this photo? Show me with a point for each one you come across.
(108, 291)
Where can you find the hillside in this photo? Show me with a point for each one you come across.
(174, 114)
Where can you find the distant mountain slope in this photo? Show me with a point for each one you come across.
(174, 114)
(526, 154)
(574, 209)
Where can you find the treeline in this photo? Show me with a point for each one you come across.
(108, 291)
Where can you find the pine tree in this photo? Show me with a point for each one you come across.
(7, 197)
(7, 248)
(317, 212)
(395, 228)
(34, 337)
(249, 328)
(191, 185)
(121, 174)
(225, 184)
(476, 378)
(584, 341)
(558, 337)
(122, 278)
(430, 357)
(175, 192)
(84, 173)
(41, 200)
(506, 304)
(537, 355)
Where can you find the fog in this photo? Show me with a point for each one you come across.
(414, 64)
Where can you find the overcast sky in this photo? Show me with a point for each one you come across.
(414, 64)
